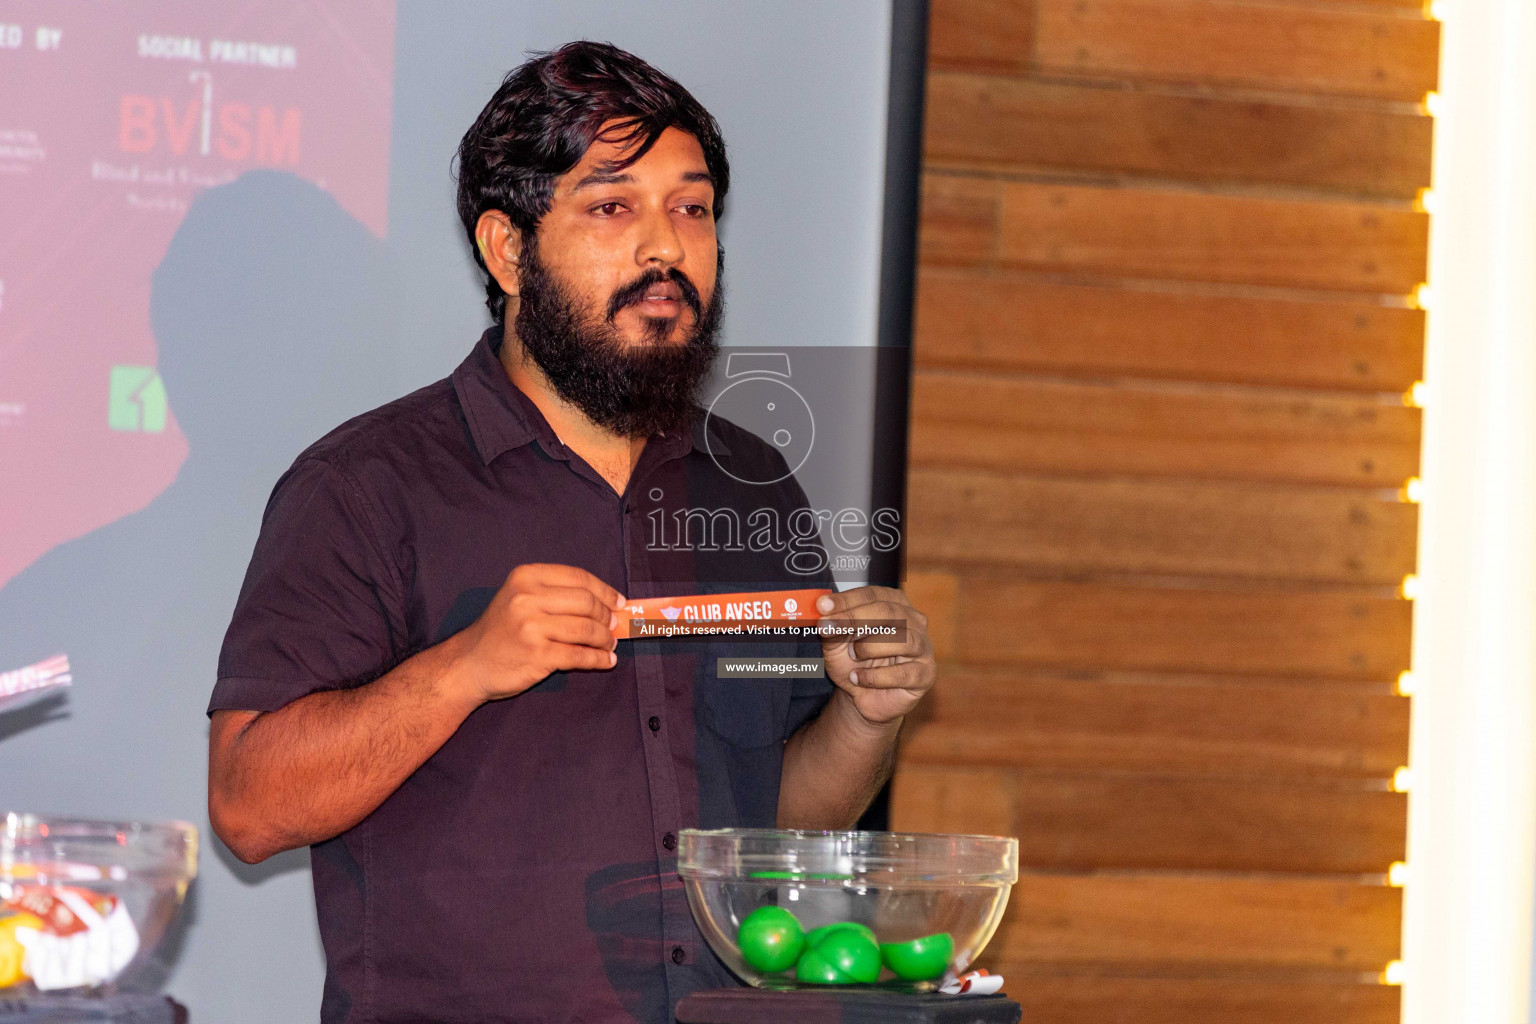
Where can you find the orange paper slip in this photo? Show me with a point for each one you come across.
(701, 614)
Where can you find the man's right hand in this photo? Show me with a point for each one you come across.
(544, 619)
(317, 766)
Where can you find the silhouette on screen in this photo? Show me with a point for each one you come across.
(269, 312)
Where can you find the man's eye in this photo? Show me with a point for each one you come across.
(694, 209)
(609, 209)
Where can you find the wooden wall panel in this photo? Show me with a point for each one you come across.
(1211, 528)
(937, 594)
(1158, 725)
(1095, 428)
(1120, 1000)
(1161, 233)
(1335, 633)
(1195, 825)
(965, 801)
(959, 219)
(1010, 124)
(1164, 328)
(989, 35)
(1211, 42)
(1187, 235)
(1212, 923)
(1135, 822)
(979, 320)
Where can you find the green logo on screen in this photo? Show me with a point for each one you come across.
(136, 400)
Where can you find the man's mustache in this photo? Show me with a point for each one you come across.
(634, 292)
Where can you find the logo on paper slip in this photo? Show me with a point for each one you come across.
(136, 400)
(671, 614)
(52, 672)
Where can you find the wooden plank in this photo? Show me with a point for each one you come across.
(1340, 634)
(959, 219)
(935, 595)
(954, 800)
(972, 319)
(996, 123)
(1129, 822)
(1101, 722)
(1161, 922)
(976, 419)
(1139, 232)
(992, 35)
(1195, 528)
(1118, 1000)
(1211, 42)
(1184, 824)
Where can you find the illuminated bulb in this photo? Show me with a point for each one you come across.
(1405, 684)
(1397, 874)
(1426, 201)
(1423, 297)
(1413, 490)
(1415, 395)
(1435, 9)
(1401, 780)
(1432, 105)
(1409, 590)
(1394, 973)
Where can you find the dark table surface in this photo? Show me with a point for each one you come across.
(834, 1006)
(117, 1009)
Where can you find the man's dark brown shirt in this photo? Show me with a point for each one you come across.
(527, 871)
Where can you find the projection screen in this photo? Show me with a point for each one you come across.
(230, 227)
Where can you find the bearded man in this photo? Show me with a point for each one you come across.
(421, 682)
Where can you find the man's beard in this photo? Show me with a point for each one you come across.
(634, 391)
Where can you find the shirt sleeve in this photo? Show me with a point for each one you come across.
(320, 608)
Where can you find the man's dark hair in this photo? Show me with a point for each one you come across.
(546, 114)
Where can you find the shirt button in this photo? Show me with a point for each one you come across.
(653, 723)
(669, 841)
(679, 954)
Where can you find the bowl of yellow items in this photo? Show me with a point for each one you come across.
(84, 904)
(788, 909)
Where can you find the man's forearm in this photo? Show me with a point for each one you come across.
(834, 766)
(316, 767)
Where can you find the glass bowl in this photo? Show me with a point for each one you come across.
(84, 904)
(901, 886)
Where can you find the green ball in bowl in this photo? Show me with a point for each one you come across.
(815, 969)
(921, 959)
(770, 939)
(815, 935)
(853, 954)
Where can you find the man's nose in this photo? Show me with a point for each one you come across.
(659, 242)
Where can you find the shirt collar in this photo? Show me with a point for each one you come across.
(501, 417)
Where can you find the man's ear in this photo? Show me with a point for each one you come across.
(500, 246)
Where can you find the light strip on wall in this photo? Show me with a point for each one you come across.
(1472, 809)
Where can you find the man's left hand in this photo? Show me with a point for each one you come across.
(885, 678)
